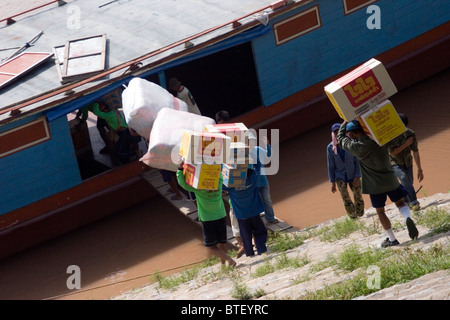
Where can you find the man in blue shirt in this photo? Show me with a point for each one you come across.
(258, 155)
(344, 172)
(247, 206)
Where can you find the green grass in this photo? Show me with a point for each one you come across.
(339, 229)
(280, 242)
(171, 282)
(397, 266)
(281, 262)
(436, 219)
(240, 291)
(353, 257)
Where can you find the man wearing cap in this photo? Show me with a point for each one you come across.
(344, 172)
(378, 177)
(184, 94)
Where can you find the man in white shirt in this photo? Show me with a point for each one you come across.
(184, 94)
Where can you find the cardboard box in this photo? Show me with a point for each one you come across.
(239, 153)
(204, 147)
(245, 164)
(238, 132)
(202, 176)
(363, 88)
(234, 182)
(234, 171)
(234, 176)
(382, 123)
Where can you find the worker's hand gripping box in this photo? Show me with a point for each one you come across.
(382, 123)
(204, 147)
(363, 88)
(238, 132)
(202, 176)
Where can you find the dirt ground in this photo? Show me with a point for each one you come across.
(124, 250)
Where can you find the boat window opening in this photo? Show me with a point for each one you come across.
(87, 145)
(225, 80)
(88, 142)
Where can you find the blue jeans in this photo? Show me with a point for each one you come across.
(265, 196)
(406, 177)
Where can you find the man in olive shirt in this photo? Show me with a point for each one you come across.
(402, 151)
(378, 177)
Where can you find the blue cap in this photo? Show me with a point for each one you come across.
(353, 125)
(335, 126)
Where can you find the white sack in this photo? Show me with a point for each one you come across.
(165, 138)
(142, 100)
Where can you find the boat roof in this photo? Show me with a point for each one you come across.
(136, 31)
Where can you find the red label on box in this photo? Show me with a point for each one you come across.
(189, 173)
(361, 87)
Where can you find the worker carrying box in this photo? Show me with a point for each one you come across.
(359, 90)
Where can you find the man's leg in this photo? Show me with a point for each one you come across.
(358, 198)
(236, 232)
(260, 234)
(378, 202)
(348, 203)
(407, 181)
(268, 207)
(246, 236)
(386, 223)
(406, 213)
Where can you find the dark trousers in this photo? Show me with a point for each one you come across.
(253, 227)
(123, 148)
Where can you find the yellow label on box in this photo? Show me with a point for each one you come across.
(382, 123)
(202, 176)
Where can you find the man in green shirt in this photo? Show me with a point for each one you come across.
(122, 148)
(378, 177)
(212, 215)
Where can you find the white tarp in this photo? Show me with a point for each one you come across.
(141, 102)
(166, 135)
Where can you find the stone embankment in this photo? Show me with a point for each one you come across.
(300, 271)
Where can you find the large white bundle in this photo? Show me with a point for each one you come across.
(165, 138)
(142, 100)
